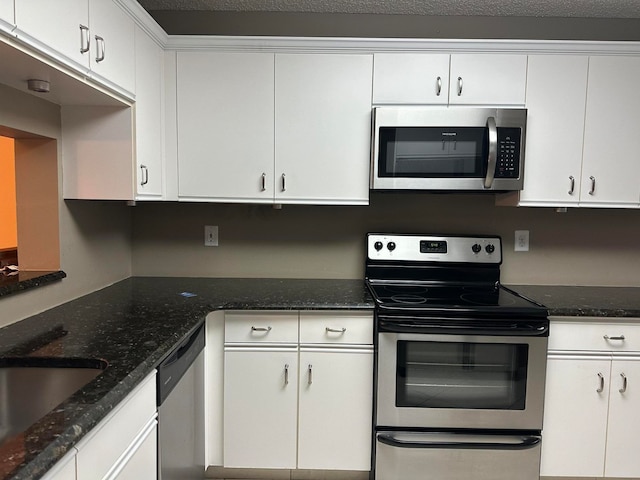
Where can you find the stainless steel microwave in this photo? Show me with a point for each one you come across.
(451, 149)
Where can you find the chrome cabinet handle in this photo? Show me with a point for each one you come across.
(619, 337)
(573, 185)
(100, 49)
(460, 86)
(85, 43)
(286, 374)
(144, 174)
(601, 388)
(260, 329)
(264, 182)
(284, 183)
(438, 86)
(624, 383)
(593, 185)
(493, 152)
(310, 374)
(335, 330)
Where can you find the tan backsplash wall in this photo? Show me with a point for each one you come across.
(95, 237)
(582, 246)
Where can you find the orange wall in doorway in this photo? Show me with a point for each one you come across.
(8, 224)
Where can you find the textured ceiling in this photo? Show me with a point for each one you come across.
(498, 8)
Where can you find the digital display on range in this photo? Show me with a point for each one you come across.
(433, 246)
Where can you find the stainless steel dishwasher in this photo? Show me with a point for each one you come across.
(180, 399)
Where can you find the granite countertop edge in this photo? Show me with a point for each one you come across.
(138, 299)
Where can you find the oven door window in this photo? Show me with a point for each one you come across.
(432, 152)
(461, 375)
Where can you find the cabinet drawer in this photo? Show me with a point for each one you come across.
(103, 447)
(336, 327)
(272, 327)
(595, 334)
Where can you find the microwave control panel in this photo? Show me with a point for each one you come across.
(508, 161)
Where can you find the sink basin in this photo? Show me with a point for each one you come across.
(32, 387)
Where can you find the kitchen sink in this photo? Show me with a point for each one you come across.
(32, 387)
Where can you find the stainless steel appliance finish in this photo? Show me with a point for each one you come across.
(446, 387)
(452, 149)
(180, 412)
(460, 361)
(456, 456)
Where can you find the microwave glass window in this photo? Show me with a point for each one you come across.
(461, 375)
(432, 152)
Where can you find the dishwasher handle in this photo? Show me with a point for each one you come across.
(171, 370)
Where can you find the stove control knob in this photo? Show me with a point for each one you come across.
(391, 246)
(378, 246)
(490, 248)
(476, 248)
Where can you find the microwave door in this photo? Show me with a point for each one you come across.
(492, 155)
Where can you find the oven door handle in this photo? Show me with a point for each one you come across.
(523, 442)
(533, 329)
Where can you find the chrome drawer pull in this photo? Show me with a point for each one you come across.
(601, 388)
(310, 372)
(459, 86)
(624, 383)
(286, 374)
(260, 329)
(438, 86)
(336, 330)
(620, 337)
(573, 185)
(593, 185)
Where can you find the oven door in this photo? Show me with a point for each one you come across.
(456, 456)
(460, 381)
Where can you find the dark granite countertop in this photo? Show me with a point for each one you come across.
(133, 325)
(20, 281)
(576, 301)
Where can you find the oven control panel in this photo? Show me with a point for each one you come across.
(432, 248)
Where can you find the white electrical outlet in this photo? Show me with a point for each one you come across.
(521, 243)
(210, 235)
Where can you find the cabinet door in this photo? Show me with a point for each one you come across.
(487, 79)
(225, 126)
(611, 164)
(260, 406)
(7, 17)
(410, 78)
(149, 114)
(57, 25)
(622, 459)
(575, 416)
(112, 41)
(140, 461)
(65, 469)
(323, 128)
(336, 394)
(556, 91)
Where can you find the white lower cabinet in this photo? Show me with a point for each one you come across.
(123, 445)
(65, 469)
(591, 403)
(289, 404)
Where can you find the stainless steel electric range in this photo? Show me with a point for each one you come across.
(460, 361)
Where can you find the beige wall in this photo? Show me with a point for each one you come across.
(582, 246)
(95, 237)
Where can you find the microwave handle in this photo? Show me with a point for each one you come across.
(492, 157)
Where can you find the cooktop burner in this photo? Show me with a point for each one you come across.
(445, 276)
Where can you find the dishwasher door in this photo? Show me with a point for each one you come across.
(181, 411)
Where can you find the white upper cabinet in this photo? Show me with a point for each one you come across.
(61, 26)
(443, 79)
(556, 92)
(112, 43)
(487, 79)
(7, 15)
(410, 78)
(86, 34)
(149, 117)
(323, 128)
(611, 160)
(225, 126)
